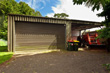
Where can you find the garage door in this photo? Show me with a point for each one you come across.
(39, 36)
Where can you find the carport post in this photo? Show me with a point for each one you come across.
(10, 33)
(13, 35)
(65, 36)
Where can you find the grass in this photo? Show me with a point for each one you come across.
(3, 45)
(5, 56)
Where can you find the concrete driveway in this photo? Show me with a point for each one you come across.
(59, 62)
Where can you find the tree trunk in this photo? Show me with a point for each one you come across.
(108, 45)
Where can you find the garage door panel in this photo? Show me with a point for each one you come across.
(32, 40)
(39, 34)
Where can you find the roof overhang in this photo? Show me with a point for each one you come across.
(85, 25)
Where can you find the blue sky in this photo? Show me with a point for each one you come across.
(50, 7)
(44, 6)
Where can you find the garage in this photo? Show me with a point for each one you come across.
(43, 33)
(39, 36)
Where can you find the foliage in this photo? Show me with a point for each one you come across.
(3, 43)
(106, 13)
(46, 16)
(5, 56)
(12, 7)
(61, 15)
(107, 66)
(95, 4)
(26, 10)
(3, 48)
(3, 29)
(105, 33)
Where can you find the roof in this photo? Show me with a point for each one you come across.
(55, 18)
(76, 24)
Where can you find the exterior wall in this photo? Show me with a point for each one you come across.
(13, 18)
(75, 34)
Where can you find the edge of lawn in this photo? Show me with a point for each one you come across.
(5, 56)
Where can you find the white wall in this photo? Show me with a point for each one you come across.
(75, 34)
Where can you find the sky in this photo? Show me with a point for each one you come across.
(77, 12)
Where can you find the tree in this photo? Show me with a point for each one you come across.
(61, 15)
(46, 16)
(27, 10)
(105, 33)
(106, 13)
(37, 13)
(95, 4)
(11, 6)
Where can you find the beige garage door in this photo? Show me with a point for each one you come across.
(39, 36)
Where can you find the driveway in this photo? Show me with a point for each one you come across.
(59, 62)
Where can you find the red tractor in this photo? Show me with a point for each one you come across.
(90, 39)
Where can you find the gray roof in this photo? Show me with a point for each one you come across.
(78, 24)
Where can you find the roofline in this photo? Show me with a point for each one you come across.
(54, 18)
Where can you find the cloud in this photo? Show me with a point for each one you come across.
(80, 12)
(50, 14)
(36, 4)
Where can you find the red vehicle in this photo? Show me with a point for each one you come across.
(90, 38)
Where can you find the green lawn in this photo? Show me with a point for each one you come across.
(5, 56)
